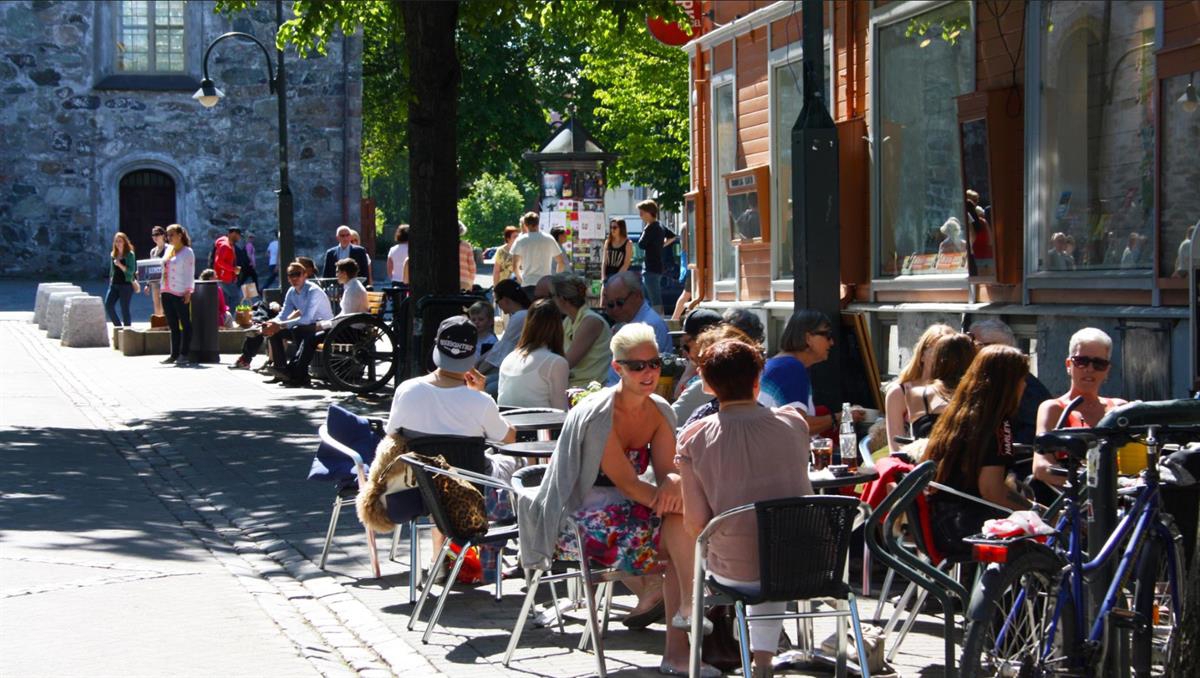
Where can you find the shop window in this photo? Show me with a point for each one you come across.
(725, 144)
(1096, 136)
(150, 36)
(924, 62)
(1180, 176)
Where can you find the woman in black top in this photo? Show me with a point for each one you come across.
(972, 445)
(122, 272)
(618, 249)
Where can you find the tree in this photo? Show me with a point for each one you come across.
(493, 203)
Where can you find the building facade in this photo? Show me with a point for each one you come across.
(101, 133)
(1031, 161)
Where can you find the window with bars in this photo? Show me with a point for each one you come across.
(150, 36)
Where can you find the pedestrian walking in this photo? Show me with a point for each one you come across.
(272, 263)
(655, 237)
(178, 282)
(122, 275)
(466, 260)
(225, 263)
(398, 255)
(535, 253)
(356, 240)
(344, 249)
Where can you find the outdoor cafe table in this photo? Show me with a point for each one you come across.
(825, 480)
(538, 449)
(536, 421)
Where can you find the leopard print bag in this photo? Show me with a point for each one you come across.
(462, 501)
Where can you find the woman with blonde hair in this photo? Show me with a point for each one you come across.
(915, 373)
(535, 373)
(122, 273)
(972, 445)
(585, 332)
(950, 358)
(178, 282)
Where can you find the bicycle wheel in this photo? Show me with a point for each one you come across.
(1011, 637)
(359, 354)
(1156, 634)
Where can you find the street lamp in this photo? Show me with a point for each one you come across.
(209, 95)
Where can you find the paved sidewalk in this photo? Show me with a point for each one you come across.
(162, 513)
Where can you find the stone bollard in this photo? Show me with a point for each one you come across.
(84, 325)
(43, 296)
(55, 309)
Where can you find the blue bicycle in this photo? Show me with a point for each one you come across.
(1029, 612)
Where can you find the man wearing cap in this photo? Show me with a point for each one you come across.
(451, 401)
(345, 249)
(312, 305)
(225, 265)
(692, 395)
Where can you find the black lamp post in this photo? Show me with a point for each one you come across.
(208, 95)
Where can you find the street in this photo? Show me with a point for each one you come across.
(158, 520)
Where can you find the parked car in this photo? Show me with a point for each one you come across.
(489, 256)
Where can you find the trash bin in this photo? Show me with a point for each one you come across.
(206, 345)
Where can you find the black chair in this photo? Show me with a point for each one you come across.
(597, 584)
(803, 545)
(496, 534)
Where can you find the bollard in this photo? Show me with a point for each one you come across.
(55, 310)
(43, 296)
(84, 325)
(206, 347)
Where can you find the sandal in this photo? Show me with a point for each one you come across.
(641, 620)
(685, 624)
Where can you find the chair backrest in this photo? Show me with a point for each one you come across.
(375, 301)
(463, 452)
(358, 433)
(529, 477)
(803, 543)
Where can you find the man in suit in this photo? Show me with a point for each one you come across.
(344, 249)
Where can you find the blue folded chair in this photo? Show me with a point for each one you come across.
(343, 458)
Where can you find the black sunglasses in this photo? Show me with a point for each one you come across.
(618, 303)
(640, 365)
(1099, 364)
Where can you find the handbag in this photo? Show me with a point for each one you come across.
(720, 648)
(249, 290)
(462, 501)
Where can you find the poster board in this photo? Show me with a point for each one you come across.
(860, 370)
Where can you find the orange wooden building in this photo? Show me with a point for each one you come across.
(1031, 161)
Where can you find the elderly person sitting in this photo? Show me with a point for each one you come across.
(595, 482)
(723, 460)
(1088, 365)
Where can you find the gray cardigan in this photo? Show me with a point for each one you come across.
(571, 474)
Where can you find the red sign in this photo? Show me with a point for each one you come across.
(671, 33)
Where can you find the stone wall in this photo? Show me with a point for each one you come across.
(70, 133)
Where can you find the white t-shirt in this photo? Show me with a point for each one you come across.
(537, 379)
(421, 407)
(512, 334)
(273, 253)
(398, 255)
(537, 251)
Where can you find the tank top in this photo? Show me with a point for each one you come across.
(1075, 419)
(614, 259)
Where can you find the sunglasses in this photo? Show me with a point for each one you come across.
(641, 365)
(618, 303)
(1098, 364)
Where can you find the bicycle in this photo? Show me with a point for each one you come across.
(1028, 614)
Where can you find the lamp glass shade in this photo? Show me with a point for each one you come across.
(1189, 100)
(208, 95)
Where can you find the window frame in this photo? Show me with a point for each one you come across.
(884, 17)
(777, 57)
(152, 28)
(1033, 279)
(727, 77)
(105, 76)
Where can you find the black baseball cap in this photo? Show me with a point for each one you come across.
(454, 347)
(699, 320)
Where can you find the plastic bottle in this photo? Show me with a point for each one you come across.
(848, 441)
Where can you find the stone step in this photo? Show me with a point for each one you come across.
(134, 341)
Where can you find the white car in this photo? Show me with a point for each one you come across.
(489, 256)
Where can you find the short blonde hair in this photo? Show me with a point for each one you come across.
(1089, 335)
(629, 337)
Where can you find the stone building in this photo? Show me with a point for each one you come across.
(101, 132)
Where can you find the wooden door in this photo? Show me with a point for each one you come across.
(147, 199)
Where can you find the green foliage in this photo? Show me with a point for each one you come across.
(493, 203)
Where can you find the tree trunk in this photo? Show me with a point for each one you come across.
(429, 34)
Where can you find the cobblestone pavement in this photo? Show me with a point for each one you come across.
(158, 519)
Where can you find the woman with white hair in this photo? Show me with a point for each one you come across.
(1088, 365)
(595, 482)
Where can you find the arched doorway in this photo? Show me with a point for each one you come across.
(147, 199)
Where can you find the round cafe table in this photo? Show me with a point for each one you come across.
(538, 449)
(536, 421)
(825, 480)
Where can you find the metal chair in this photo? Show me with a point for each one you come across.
(496, 534)
(803, 546)
(347, 484)
(597, 585)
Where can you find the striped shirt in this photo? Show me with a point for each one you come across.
(466, 265)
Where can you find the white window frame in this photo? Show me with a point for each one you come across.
(105, 76)
(776, 57)
(718, 80)
(151, 42)
(1144, 279)
(888, 15)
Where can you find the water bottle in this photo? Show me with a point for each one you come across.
(848, 441)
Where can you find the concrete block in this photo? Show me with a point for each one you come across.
(43, 296)
(55, 309)
(83, 323)
(132, 342)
